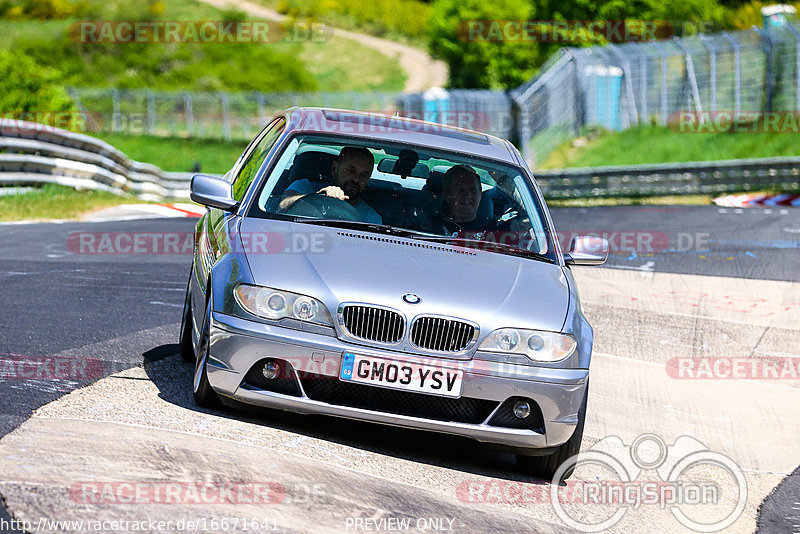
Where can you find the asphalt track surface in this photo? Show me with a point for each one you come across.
(757, 243)
(123, 308)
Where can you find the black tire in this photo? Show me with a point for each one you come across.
(204, 394)
(545, 467)
(185, 341)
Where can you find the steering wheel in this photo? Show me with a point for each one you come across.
(321, 206)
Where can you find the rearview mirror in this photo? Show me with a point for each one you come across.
(419, 170)
(212, 192)
(587, 250)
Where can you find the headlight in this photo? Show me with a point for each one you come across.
(537, 345)
(276, 304)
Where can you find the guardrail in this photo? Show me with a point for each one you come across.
(695, 177)
(33, 154)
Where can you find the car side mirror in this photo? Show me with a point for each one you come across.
(587, 250)
(212, 192)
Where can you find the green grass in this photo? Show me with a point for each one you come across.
(176, 154)
(57, 202)
(674, 200)
(345, 65)
(653, 144)
(337, 65)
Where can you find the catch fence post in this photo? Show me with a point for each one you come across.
(797, 66)
(115, 118)
(151, 112)
(226, 124)
(712, 61)
(769, 82)
(698, 106)
(189, 112)
(737, 71)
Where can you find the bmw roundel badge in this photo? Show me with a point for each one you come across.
(411, 298)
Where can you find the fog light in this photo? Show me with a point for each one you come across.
(521, 409)
(271, 370)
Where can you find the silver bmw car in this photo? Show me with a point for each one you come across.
(394, 271)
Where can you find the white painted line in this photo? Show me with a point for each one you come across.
(171, 304)
(154, 208)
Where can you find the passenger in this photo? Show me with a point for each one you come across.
(351, 172)
(461, 198)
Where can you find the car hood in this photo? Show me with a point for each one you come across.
(340, 265)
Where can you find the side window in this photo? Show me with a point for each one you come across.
(250, 166)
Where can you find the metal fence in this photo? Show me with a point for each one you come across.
(482, 110)
(216, 115)
(612, 86)
(619, 86)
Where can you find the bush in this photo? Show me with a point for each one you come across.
(40, 9)
(29, 87)
(748, 14)
(190, 66)
(233, 15)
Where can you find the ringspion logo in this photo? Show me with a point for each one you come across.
(703, 490)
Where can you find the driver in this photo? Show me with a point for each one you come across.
(351, 171)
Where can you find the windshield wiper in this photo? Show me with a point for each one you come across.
(358, 225)
(487, 245)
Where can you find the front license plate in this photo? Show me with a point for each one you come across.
(408, 376)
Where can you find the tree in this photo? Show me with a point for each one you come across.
(464, 33)
(26, 86)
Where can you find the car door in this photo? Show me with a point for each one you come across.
(211, 239)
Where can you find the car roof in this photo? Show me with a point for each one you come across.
(382, 127)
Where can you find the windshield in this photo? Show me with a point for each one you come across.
(414, 191)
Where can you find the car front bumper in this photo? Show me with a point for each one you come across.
(237, 344)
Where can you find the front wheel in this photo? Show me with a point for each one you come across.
(185, 342)
(204, 395)
(546, 467)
